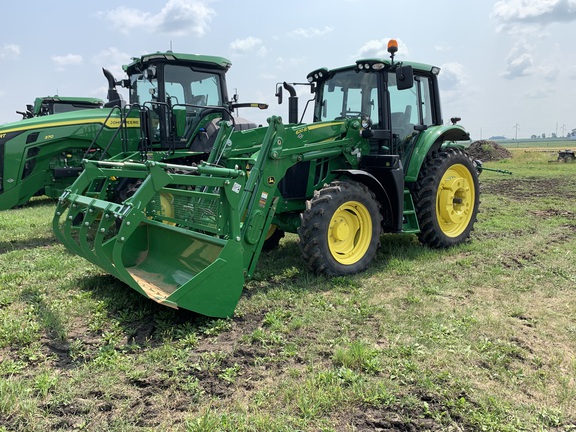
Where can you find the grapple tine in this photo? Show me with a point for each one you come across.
(70, 230)
(85, 233)
(107, 222)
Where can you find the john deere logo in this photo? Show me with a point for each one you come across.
(271, 180)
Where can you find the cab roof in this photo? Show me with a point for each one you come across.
(169, 56)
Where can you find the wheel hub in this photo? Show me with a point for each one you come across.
(456, 194)
(341, 230)
(349, 232)
(453, 203)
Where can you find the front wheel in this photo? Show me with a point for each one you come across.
(340, 229)
(446, 196)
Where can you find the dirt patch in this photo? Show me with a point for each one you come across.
(485, 150)
(530, 188)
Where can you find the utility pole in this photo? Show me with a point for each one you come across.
(516, 132)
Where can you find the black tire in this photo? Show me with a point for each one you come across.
(446, 196)
(340, 229)
(273, 238)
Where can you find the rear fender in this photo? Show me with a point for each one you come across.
(432, 139)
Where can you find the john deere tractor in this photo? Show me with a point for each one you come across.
(376, 158)
(49, 105)
(43, 155)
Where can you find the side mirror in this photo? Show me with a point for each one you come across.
(404, 77)
(279, 93)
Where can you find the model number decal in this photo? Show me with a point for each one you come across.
(46, 137)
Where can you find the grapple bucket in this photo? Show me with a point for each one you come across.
(176, 240)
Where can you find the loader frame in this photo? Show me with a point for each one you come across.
(189, 236)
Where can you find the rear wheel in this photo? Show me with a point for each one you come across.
(446, 197)
(340, 229)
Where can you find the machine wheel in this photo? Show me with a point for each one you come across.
(340, 229)
(446, 197)
(273, 238)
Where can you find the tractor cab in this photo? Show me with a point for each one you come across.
(58, 104)
(395, 101)
(178, 98)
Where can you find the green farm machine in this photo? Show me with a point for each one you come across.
(49, 105)
(42, 155)
(376, 158)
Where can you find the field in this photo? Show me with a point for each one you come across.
(481, 337)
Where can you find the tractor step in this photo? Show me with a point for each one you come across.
(409, 218)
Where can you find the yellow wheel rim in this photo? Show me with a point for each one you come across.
(455, 200)
(167, 206)
(350, 232)
(271, 231)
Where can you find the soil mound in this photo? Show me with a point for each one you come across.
(486, 150)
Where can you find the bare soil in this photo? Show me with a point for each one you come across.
(485, 150)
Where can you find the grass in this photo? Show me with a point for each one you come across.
(478, 337)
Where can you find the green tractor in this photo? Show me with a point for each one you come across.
(49, 105)
(43, 155)
(377, 158)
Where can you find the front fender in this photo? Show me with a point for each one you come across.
(433, 138)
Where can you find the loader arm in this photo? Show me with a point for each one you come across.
(190, 236)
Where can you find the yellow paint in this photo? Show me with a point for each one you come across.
(112, 123)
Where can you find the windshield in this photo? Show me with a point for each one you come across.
(183, 86)
(349, 94)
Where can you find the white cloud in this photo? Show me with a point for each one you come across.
(453, 76)
(177, 17)
(442, 47)
(249, 45)
(301, 33)
(515, 13)
(538, 92)
(180, 16)
(9, 51)
(571, 72)
(112, 59)
(457, 91)
(291, 62)
(379, 48)
(519, 62)
(63, 61)
(111, 55)
(519, 66)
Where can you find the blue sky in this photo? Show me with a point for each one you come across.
(508, 66)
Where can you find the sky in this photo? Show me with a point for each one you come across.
(508, 67)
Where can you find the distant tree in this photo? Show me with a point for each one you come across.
(533, 137)
(554, 135)
(543, 135)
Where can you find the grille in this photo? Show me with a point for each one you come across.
(188, 209)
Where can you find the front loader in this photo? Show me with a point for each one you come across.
(376, 158)
(43, 155)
